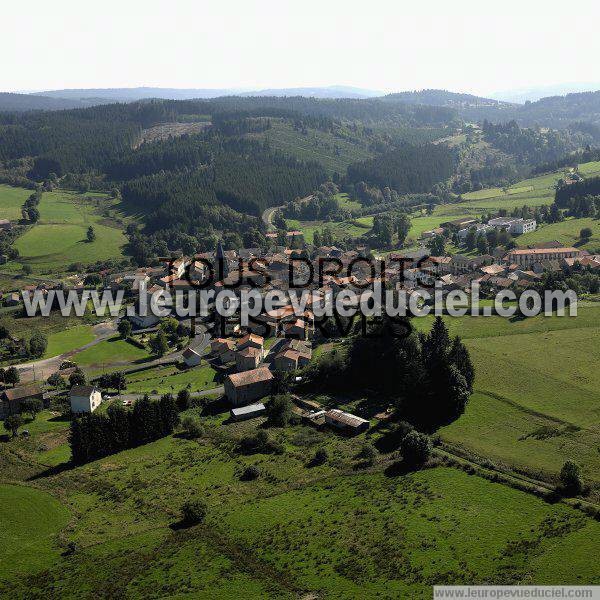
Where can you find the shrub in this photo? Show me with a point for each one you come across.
(259, 442)
(321, 457)
(250, 473)
(279, 410)
(368, 453)
(183, 399)
(192, 427)
(585, 233)
(415, 448)
(570, 478)
(193, 512)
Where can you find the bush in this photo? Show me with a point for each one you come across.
(321, 457)
(279, 410)
(258, 442)
(368, 453)
(570, 479)
(192, 427)
(193, 512)
(415, 448)
(585, 233)
(250, 473)
(183, 399)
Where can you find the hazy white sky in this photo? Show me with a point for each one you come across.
(389, 45)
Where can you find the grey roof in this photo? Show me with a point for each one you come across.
(245, 410)
(82, 390)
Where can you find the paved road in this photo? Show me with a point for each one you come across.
(267, 216)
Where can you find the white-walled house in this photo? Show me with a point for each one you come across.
(84, 398)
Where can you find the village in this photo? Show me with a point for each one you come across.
(249, 361)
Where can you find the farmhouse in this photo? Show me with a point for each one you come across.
(11, 399)
(5, 224)
(191, 358)
(84, 399)
(243, 388)
(247, 412)
(247, 359)
(223, 349)
(251, 340)
(345, 421)
(458, 224)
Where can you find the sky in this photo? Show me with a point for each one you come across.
(384, 45)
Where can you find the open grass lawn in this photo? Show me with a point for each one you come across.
(69, 339)
(59, 237)
(171, 379)
(111, 351)
(345, 202)
(11, 200)
(340, 229)
(328, 530)
(566, 232)
(536, 401)
(31, 519)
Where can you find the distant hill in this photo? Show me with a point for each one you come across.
(134, 94)
(26, 102)
(442, 98)
(532, 94)
(334, 91)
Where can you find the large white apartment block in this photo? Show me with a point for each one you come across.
(513, 225)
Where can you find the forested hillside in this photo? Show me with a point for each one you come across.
(218, 163)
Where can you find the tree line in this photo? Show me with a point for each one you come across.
(427, 376)
(94, 435)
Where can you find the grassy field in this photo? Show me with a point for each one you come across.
(566, 232)
(536, 400)
(170, 379)
(31, 519)
(340, 229)
(11, 200)
(69, 339)
(59, 237)
(332, 530)
(110, 352)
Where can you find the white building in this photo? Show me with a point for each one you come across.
(85, 398)
(479, 228)
(523, 226)
(513, 225)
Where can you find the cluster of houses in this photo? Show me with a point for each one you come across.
(280, 340)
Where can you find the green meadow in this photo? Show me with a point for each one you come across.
(566, 232)
(113, 351)
(11, 200)
(31, 520)
(69, 339)
(169, 379)
(536, 391)
(58, 239)
(333, 531)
